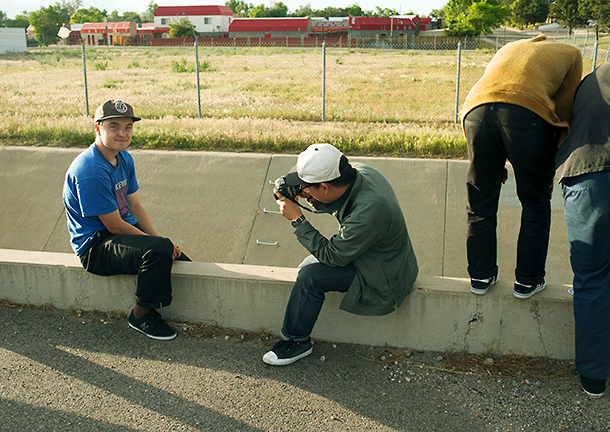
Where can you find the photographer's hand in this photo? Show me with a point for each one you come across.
(289, 210)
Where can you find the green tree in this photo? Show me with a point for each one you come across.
(257, 12)
(91, 15)
(596, 10)
(304, 11)
(472, 18)
(20, 21)
(330, 11)
(66, 8)
(385, 12)
(239, 7)
(567, 13)
(46, 22)
(3, 19)
(355, 10)
(132, 16)
(526, 12)
(149, 15)
(114, 17)
(485, 16)
(180, 28)
(437, 13)
(280, 10)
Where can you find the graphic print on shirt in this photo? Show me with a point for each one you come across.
(121, 191)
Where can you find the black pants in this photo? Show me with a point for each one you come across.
(147, 256)
(497, 132)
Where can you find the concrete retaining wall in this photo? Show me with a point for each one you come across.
(439, 314)
(219, 208)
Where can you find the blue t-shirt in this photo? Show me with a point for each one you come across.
(93, 186)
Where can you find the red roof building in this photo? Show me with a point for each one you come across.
(171, 11)
(267, 25)
(408, 22)
(205, 19)
(108, 33)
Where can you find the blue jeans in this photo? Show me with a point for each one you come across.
(587, 213)
(308, 294)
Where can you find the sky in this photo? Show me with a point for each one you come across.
(421, 7)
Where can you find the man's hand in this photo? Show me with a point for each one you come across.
(289, 210)
(177, 252)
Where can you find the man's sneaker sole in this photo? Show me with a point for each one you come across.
(154, 337)
(483, 290)
(593, 388)
(527, 295)
(593, 395)
(271, 358)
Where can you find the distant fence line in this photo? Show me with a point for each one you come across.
(416, 79)
(365, 42)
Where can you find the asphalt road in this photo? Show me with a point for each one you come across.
(61, 372)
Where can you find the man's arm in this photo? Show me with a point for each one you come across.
(144, 223)
(116, 225)
(136, 209)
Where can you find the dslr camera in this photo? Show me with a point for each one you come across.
(290, 192)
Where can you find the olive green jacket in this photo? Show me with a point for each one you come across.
(373, 236)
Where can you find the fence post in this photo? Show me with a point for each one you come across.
(197, 72)
(324, 80)
(82, 41)
(595, 46)
(457, 84)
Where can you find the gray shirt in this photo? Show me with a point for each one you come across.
(587, 147)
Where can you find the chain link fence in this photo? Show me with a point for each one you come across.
(331, 83)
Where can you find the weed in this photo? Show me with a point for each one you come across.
(100, 66)
(112, 83)
(181, 67)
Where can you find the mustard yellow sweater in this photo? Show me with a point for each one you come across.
(538, 74)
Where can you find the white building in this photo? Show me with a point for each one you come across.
(12, 40)
(205, 19)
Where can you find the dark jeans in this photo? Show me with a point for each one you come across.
(587, 212)
(308, 294)
(147, 256)
(497, 132)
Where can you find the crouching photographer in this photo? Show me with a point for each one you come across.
(370, 259)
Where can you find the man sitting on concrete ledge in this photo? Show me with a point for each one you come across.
(109, 229)
(371, 258)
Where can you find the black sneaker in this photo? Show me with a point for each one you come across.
(592, 387)
(526, 291)
(152, 325)
(480, 286)
(286, 352)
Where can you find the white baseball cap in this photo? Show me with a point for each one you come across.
(319, 163)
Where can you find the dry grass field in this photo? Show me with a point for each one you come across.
(361, 85)
(398, 102)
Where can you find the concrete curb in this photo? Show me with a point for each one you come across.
(439, 314)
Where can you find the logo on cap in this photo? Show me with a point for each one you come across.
(120, 107)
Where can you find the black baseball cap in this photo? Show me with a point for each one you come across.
(114, 109)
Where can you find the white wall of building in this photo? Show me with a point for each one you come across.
(203, 24)
(12, 40)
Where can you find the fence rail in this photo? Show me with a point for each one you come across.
(419, 80)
